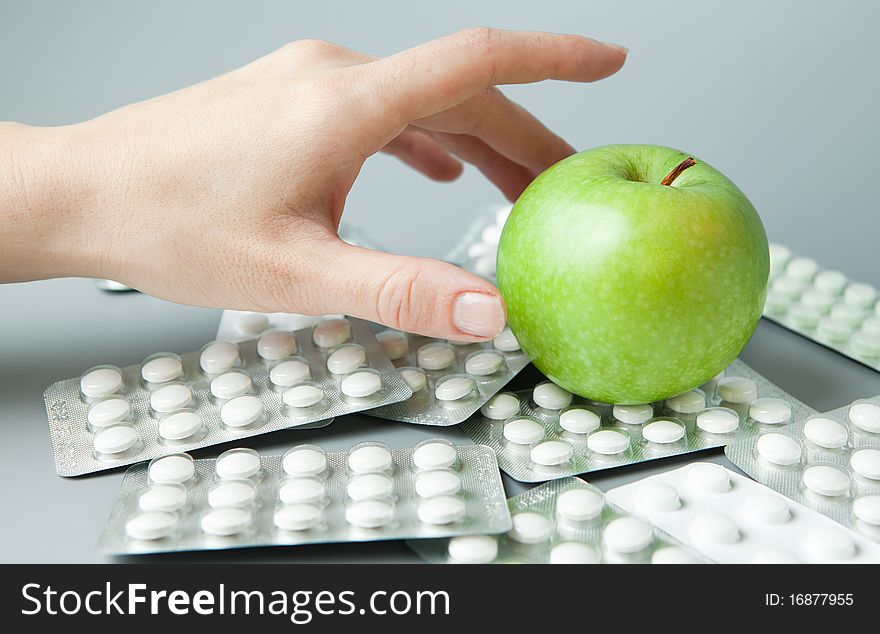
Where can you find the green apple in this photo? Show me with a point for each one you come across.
(633, 273)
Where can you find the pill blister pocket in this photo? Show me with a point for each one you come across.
(110, 417)
(828, 462)
(307, 496)
(566, 522)
(729, 518)
(547, 433)
(824, 306)
(477, 249)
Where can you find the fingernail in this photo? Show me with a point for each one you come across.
(478, 314)
(617, 47)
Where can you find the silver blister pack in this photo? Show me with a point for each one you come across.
(827, 462)
(225, 392)
(824, 306)
(307, 496)
(477, 249)
(562, 522)
(731, 519)
(548, 433)
(449, 380)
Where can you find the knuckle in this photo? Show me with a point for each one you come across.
(481, 43)
(312, 48)
(399, 298)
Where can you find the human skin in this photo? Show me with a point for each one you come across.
(229, 193)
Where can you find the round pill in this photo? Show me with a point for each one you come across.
(607, 442)
(485, 265)
(830, 544)
(303, 396)
(241, 411)
(473, 549)
(361, 384)
(226, 521)
(151, 525)
(506, 341)
(663, 432)
(163, 497)
(801, 268)
(441, 482)
(290, 372)
(574, 553)
(779, 449)
(230, 385)
(657, 496)
(865, 344)
(434, 455)
(865, 416)
(369, 513)
(100, 382)
(162, 369)
(251, 324)
(774, 556)
(440, 510)
(825, 432)
(346, 359)
(369, 485)
(530, 528)
(766, 508)
(718, 420)
(578, 420)
(861, 295)
(551, 453)
(238, 463)
(483, 363)
(689, 402)
(394, 343)
(871, 326)
(716, 528)
(820, 301)
(170, 397)
(550, 396)
(866, 463)
(833, 329)
(826, 480)
(179, 425)
(331, 332)
(297, 517)
(673, 555)
(523, 431)
(776, 303)
(302, 491)
(232, 493)
(770, 411)
(500, 407)
(707, 477)
(218, 357)
(788, 287)
(847, 313)
(737, 389)
(830, 281)
(579, 505)
(453, 388)
(867, 509)
(632, 414)
(304, 460)
(435, 356)
(628, 535)
(174, 469)
(370, 458)
(805, 317)
(276, 344)
(115, 439)
(108, 411)
(779, 255)
(491, 234)
(414, 378)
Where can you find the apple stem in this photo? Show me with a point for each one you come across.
(677, 170)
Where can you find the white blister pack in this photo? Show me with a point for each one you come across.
(824, 306)
(827, 462)
(227, 391)
(729, 518)
(548, 433)
(562, 522)
(307, 496)
(477, 249)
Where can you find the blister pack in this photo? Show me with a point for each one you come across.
(477, 249)
(824, 306)
(548, 433)
(729, 518)
(562, 522)
(827, 462)
(307, 496)
(113, 416)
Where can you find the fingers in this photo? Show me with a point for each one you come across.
(511, 178)
(416, 295)
(424, 154)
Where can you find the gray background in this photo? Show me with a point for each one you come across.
(783, 97)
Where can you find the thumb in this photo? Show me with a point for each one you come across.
(417, 295)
